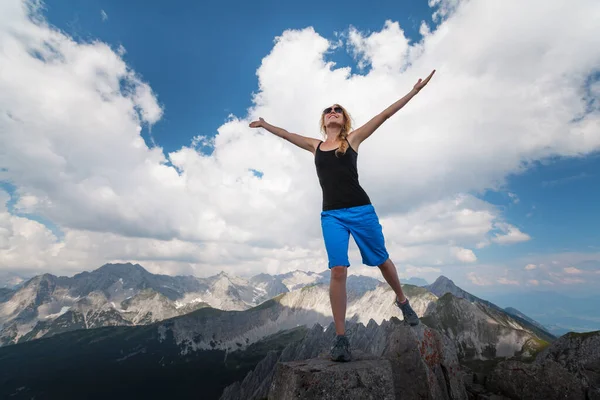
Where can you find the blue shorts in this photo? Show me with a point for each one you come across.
(362, 222)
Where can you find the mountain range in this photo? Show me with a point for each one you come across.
(168, 326)
(127, 294)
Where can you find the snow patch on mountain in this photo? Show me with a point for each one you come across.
(63, 310)
(298, 279)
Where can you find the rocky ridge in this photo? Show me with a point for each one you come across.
(420, 362)
(127, 294)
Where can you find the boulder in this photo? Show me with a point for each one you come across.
(545, 381)
(365, 378)
(578, 353)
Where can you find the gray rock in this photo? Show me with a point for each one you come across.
(366, 377)
(423, 363)
(256, 384)
(578, 353)
(480, 332)
(543, 381)
(443, 285)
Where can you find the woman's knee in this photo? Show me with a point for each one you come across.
(339, 272)
(386, 264)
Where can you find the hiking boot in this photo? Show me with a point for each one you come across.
(341, 349)
(409, 314)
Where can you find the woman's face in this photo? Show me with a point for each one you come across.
(333, 115)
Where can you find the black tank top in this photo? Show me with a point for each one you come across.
(338, 177)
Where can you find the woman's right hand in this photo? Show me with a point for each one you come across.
(257, 124)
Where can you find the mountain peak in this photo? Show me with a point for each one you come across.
(121, 268)
(444, 285)
(443, 279)
(39, 279)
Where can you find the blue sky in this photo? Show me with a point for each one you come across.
(203, 64)
(558, 205)
(201, 60)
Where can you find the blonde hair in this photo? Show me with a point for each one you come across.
(346, 129)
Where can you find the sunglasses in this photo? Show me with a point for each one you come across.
(336, 109)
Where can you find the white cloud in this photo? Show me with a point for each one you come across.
(530, 267)
(571, 281)
(70, 142)
(534, 282)
(506, 281)
(444, 8)
(464, 255)
(572, 271)
(103, 15)
(421, 270)
(478, 280)
(386, 50)
(511, 235)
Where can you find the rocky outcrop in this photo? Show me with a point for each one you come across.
(567, 369)
(481, 332)
(423, 363)
(367, 377)
(443, 285)
(579, 354)
(257, 382)
(548, 381)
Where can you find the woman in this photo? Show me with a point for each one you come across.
(347, 208)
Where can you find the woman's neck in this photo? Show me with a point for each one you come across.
(332, 134)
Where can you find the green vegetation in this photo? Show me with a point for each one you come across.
(413, 291)
(582, 335)
(308, 287)
(126, 362)
(252, 355)
(268, 304)
(532, 348)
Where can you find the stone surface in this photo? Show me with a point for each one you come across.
(423, 363)
(256, 384)
(546, 381)
(480, 332)
(366, 377)
(578, 353)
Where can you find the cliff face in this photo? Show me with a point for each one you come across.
(415, 363)
(567, 369)
(366, 377)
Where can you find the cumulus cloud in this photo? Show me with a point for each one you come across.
(572, 271)
(422, 270)
(506, 281)
(464, 255)
(71, 115)
(385, 50)
(510, 235)
(478, 280)
(561, 269)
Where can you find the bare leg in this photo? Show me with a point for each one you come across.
(337, 296)
(388, 270)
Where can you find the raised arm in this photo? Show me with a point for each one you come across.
(303, 142)
(357, 136)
